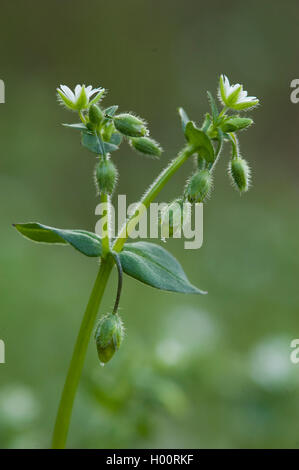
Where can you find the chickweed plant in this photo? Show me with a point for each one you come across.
(102, 132)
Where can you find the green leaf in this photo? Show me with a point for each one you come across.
(154, 266)
(200, 141)
(220, 142)
(184, 118)
(79, 126)
(91, 142)
(207, 122)
(111, 110)
(116, 139)
(95, 145)
(87, 243)
(215, 112)
(110, 147)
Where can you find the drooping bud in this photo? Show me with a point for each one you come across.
(109, 335)
(95, 115)
(239, 172)
(130, 125)
(174, 217)
(199, 186)
(235, 123)
(147, 146)
(106, 175)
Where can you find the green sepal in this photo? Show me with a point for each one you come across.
(87, 243)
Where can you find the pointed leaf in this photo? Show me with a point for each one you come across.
(87, 243)
(156, 267)
(111, 110)
(200, 141)
(207, 122)
(184, 118)
(215, 112)
(96, 145)
(78, 125)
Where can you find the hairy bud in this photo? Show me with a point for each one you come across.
(199, 186)
(147, 146)
(95, 115)
(106, 175)
(174, 217)
(130, 125)
(235, 123)
(109, 335)
(239, 172)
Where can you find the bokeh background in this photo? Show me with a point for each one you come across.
(211, 371)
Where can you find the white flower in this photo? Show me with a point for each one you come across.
(79, 98)
(234, 96)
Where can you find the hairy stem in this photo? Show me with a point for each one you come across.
(150, 195)
(105, 237)
(76, 365)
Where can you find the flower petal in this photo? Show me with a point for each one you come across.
(67, 92)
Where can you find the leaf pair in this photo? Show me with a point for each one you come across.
(96, 145)
(146, 262)
(93, 142)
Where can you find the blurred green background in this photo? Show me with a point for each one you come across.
(209, 371)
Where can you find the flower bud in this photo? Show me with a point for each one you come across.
(108, 130)
(106, 175)
(130, 125)
(199, 186)
(239, 172)
(109, 335)
(90, 126)
(147, 146)
(95, 115)
(236, 123)
(174, 217)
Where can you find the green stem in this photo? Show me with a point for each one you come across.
(81, 116)
(120, 281)
(225, 108)
(150, 195)
(76, 366)
(105, 237)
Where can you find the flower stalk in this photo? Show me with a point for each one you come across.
(75, 369)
